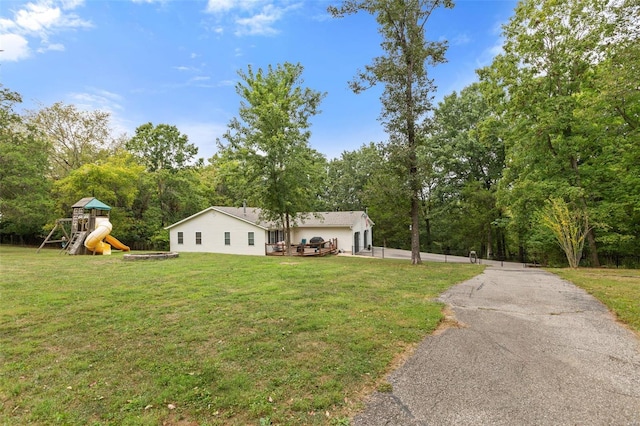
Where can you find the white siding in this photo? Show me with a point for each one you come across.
(213, 225)
(343, 234)
(360, 227)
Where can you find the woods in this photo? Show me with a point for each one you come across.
(553, 120)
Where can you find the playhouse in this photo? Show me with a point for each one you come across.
(88, 231)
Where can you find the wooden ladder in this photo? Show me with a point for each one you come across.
(76, 242)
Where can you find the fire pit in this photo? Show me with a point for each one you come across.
(151, 256)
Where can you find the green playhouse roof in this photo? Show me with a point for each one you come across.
(91, 203)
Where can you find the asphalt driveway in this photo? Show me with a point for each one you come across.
(529, 349)
(390, 253)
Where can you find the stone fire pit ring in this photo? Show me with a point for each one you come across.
(151, 256)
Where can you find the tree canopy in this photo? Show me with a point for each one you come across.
(25, 198)
(269, 143)
(74, 137)
(408, 92)
(161, 147)
(556, 146)
(543, 147)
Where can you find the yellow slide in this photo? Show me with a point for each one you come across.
(94, 240)
(115, 243)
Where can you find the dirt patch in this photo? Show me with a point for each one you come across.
(449, 321)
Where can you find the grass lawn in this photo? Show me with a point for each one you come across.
(619, 289)
(204, 338)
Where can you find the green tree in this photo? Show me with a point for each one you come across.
(387, 205)
(569, 227)
(229, 177)
(114, 181)
(169, 159)
(162, 147)
(610, 110)
(212, 178)
(348, 176)
(551, 50)
(468, 154)
(270, 142)
(75, 137)
(407, 96)
(25, 201)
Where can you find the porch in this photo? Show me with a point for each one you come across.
(303, 249)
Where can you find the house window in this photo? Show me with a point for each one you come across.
(180, 238)
(275, 236)
(227, 238)
(251, 239)
(198, 237)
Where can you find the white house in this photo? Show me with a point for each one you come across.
(239, 230)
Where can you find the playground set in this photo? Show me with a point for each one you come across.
(87, 231)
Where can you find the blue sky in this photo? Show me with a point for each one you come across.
(176, 61)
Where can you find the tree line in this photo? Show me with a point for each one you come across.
(550, 127)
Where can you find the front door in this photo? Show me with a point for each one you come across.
(356, 242)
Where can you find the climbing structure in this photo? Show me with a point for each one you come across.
(90, 229)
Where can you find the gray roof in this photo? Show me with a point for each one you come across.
(332, 218)
(311, 220)
(249, 214)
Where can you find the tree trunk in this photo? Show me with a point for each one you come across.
(415, 231)
(503, 245)
(287, 234)
(593, 249)
(591, 239)
(489, 243)
(160, 200)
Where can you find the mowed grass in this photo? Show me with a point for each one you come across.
(618, 289)
(205, 338)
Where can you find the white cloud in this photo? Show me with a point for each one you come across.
(71, 4)
(250, 17)
(94, 98)
(54, 47)
(7, 24)
(216, 6)
(160, 3)
(107, 94)
(14, 47)
(260, 23)
(44, 16)
(40, 19)
(97, 99)
(37, 17)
